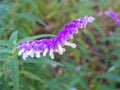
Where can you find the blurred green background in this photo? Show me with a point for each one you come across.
(93, 65)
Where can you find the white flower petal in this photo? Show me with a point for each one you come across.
(45, 52)
(70, 44)
(54, 65)
(84, 25)
(37, 54)
(25, 55)
(21, 52)
(51, 54)
(60, 50)
(31, 53)
(90, 19)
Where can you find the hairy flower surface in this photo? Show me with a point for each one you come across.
(34, 48)
(113, 15)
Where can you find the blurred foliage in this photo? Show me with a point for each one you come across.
(97, 53)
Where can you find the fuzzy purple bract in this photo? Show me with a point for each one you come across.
(113, 15)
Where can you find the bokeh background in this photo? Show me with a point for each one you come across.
(93, 65)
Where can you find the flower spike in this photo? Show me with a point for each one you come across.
(113, 15)
(34, 48)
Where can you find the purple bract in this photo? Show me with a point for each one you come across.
(33, 48)
(113, 15)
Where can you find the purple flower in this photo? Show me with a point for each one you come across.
(77, 68)
(113, 15)
(73, 88)
(34, 48)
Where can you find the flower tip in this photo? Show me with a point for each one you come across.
(70, 44)
(91, 19)
(110, 13)
(107, 12)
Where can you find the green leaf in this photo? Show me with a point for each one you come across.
(2, 59)
(99, 28)
(116, 64)
(13, 37)
(5, 50)
(77, 54)
(36, 37)
(31, 76)
(42, 60)
(6, 69)
(106, 87)
(110, 76)
(34, 5)
(73, 81)
(30, 16)
(56, 82)
(6, 43)
(2, 30)
(4, 8)
(83, 84)
(91, 36)
(31, 87)
(83, 45)
(15, 73)
(112, 38)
